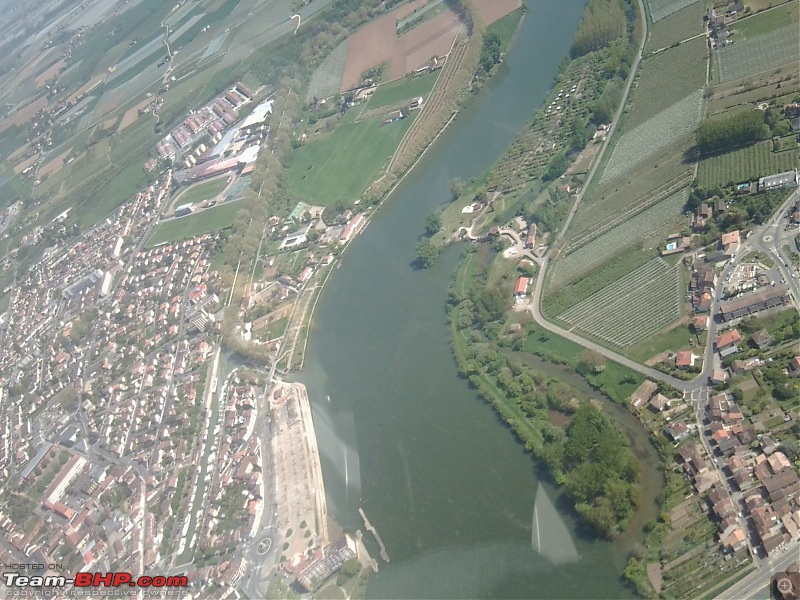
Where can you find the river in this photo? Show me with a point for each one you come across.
(449, 489)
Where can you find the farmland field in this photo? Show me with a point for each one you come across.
(327, 77)
(402, 89)
(611, 205)
(768, 21)
(664, 79)
(677, 27)
(658, 132)
(747, 164)
(613, 241)
(632, 308)
(212, 219)
(758, 54)
(661, 9)
(340, 166)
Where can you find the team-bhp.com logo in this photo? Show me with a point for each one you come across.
(119, 579)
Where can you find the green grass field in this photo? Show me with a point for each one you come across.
(747, 164)
(673, 340)
(505, 27)
(402, 90)
(340, 166)
(615, 381)
(201, 192)
(767, 21)
(212, 219)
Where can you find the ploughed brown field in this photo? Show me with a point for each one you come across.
(491, 10)
(377, 42)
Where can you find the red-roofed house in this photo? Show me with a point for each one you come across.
(685, 359)
(521, 287)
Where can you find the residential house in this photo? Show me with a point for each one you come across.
(727, 342)
(685, 359)
(659, 403)
(762, 339)
(730, 243)
(753, 303)
(700, 323)
(677, 431)
(794, 367)
(719, 376)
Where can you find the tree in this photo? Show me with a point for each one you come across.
(427, 253)
(592, 362)
(557, 167)
(433, 223)
(578, 135)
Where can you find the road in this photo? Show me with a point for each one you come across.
(760, 579)
(769, 239)
(534, 305)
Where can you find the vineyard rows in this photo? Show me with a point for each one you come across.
(758, 54)
(634, 229)
(609, 217)
(632, 308)
(656, 133)
(677, 27)
(327, 78)
(664, 79)
(660, 9)
(747, 164)
(419, 133)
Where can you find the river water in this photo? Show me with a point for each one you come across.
(449, 489)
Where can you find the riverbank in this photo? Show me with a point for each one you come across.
(396, 175)
(386, 394)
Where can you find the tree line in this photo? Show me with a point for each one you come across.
(603, 22)
(735, 131)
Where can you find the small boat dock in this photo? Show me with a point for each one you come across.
(374, 532)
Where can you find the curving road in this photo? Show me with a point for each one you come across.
(536, 297)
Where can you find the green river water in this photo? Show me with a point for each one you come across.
(446, 484)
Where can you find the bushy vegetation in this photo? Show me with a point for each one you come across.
(490, 51)
(591, 458)
(735, 131)
(598, 470)
(602, 23)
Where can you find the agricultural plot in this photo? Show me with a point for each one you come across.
(401, 90)
(327, 78)
(661, 9)
(610, 205)
(650, 296)
(758, 54)
(677, 27)
(664, 79)
(215, 46)
(747, 164)
(658, 132)
(184, 28)
(613, 241)
(767, 21)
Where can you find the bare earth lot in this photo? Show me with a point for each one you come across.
(377, 43)
(491, 10)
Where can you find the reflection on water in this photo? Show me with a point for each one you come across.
(550, 536)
